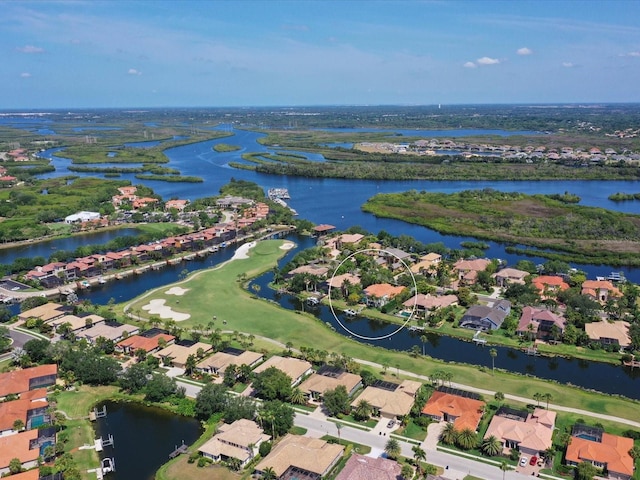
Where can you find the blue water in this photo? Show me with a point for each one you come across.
(149, 144)
(432, 133)
(337, 201)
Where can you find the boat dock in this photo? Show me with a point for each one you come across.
(476, 338)
(179, 450)
(96, 414)
(278, 193)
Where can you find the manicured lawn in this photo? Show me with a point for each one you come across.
(81, 433)
(368, 423)
(412, 431)
(217, 292)
(361, 449)
(181, 469)
(77, 403)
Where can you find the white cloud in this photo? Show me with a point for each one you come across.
(487, 61)
(633, 54)
(469, 65)
(568, 64)
(25, 75)
(524, 51)
(133, 71)
(30, 49)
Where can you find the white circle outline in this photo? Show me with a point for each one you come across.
(415, 289)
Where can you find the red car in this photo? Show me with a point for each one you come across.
(533, 460)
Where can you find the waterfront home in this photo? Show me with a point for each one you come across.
(82, 217)
(109, 330)
(388, 399)
(44, 312)
(240, 440)
(481, 317)
(600, 290)
(339, 280)
(345, 240)
(602, 450)
(301, 457)
(530, 433)
(539, 323)
(549, 286)
(609, 333)
(30, 409)
(379, 294)
(428, 303)
(462, 409)
(467, 270)
(176, 354)
(317, 270)
(25, 380)
(219, 361)
(179, 205)
(508, 276)
(395, 258)
(427, 264)
(361, 467)
(149, 344)
(294, 368)
(76, 323)
(328, 378)
(231, 202)
(22, 446)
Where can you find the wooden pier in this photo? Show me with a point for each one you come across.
(476, 338)
(179, 450)
(96, 414)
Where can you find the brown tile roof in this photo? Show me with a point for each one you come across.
(17, 381)
(391, 403)
(17, 446)
(477, 265)
(321, 383)
(221, 360)
(591, 287)
(310, 454)
(467, 411)
(179, 353)
(44, 312)
(234, 440)
(381, 290)
(532, 434)
(338, 280)
(549, 281)
(618, 330)
(430, 301)
(612, 451)
(360, 467)
(293, 367)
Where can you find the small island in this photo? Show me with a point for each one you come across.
(574, 232)
(225, 147)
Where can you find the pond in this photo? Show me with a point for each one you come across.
(143, 438)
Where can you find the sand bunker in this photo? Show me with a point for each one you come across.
(176, 291)
(241, 252)
(287, 246)
(158, 307)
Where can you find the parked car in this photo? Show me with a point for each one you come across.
(391, 424)
(523, 461)
(533, 460)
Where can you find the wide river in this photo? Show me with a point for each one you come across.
(337, 202)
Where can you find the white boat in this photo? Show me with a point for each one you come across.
(350, 313)
(102, 280)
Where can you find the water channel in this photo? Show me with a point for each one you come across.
(143, 438)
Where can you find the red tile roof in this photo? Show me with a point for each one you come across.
(467, 410)
(612, 451)
(17, 381)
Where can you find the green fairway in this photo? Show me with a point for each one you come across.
(217, 292)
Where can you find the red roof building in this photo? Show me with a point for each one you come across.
(19, 381)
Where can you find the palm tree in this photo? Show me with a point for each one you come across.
(269, 474)
(363, 410)
(392, 448)
(491, 446)
(419, 455)
(339, 427)
(449, 434)
(537, 397)
(467, 439)
(297, 396)
(447, 376)
(547, 397)
(424, 340)
(494, 353)
(504, 466)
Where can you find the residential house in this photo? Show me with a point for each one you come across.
(379, 294)
(603, 450)
(219, 361)
(301, 457)
(508, 276)
(30, 408)
(34, 474)
(179, 205)
(463, 409)
(339, 280)
(45, 312)
(388, 399)
(609, 333)
(240, 440)
(294, 368)
(395, 258)
(481, 317)
(600, 290)
(323, 229)
(427, 303)
(317, 270)
(76, 323)
(109, 330)
(427, 264)
(549, 286)
(149, 344)
(361, 467)
(467, 270)
(530, 433)
(177, 354)
(328, 378)
(20, 381)
(22, 446)
(539, 323)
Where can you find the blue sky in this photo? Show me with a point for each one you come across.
(58, 54)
